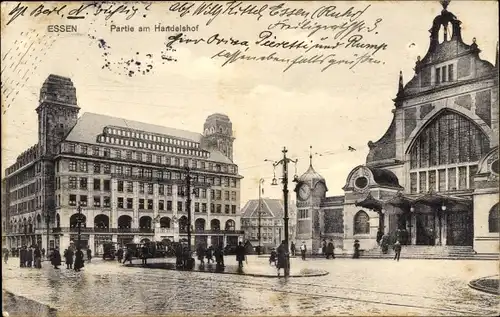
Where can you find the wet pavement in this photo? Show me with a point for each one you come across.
(352, 287)
(248, 270)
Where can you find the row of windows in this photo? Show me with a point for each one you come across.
(158, 159)
(147, 204)
(24, 191)
(263, 222)
(22, 177)
(82, 183)
(151, 137)
(444, 74)
(303, 214)
(152, 146)
(455, 178)
(82, 166)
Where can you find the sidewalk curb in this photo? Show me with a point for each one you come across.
(478, 284)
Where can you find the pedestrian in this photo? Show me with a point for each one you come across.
(303, 250)
(43, 253)
(55, 258)
(6, 256)
(89, 255)
(128, 256)
(292, 248)
(379, 236)
(219, 256)
(37, 254)
(282, 257)
(209, 254)
(323, 247)
(179, 255)
(29, 257)
(79, 260)
(330, 250)
(384, 243)
(240, 254)
(356, 249)
(397, 250)
(273, 257)
(144, 254)
(119, 255)
(68, 257)
(22, 256)
(200, 252)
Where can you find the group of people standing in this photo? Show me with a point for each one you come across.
(203, 253)
(28, 256)
(74, 260)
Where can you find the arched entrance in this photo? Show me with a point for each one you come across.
(101, 221)
(124, 222)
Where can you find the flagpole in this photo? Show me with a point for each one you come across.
(261, 191)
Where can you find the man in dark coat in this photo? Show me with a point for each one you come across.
(282, 257)
(22, 256)
(79, 260)
(68, 258)
(292, 248)
(144, 254)
(55, 258)
(43, 253)
(356, 250)
(38, 257)
(29, 257)
(397, 250)
(200, 252)
(209, 254)
(89, 255)
(323, 247)
(219, 256)
(330, 250)
(240, 254)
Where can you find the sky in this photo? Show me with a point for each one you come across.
(329, 110)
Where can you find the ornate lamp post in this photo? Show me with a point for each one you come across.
(261, 181)
(79, 220)
(284, 161)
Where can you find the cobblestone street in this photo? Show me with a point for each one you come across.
(352, 287)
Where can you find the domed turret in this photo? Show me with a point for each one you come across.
(311, 177)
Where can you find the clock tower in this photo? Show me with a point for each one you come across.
(311, 191)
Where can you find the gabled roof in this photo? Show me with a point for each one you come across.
(271, 208)
(90, 125)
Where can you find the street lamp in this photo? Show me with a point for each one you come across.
(261, 181)
(284, 161)
(79, 222)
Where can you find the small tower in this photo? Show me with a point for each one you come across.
(218, 133)
(311, 191)
(57, 112)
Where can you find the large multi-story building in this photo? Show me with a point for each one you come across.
(432, 179)
(127, 177)
(271, 222)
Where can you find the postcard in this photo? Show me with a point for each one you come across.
(253, 158)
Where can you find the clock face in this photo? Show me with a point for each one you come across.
(304, 192)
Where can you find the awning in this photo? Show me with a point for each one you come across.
(370, 203)
(401, 201)
(435, 199)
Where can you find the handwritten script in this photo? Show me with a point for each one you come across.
(335, 35)
(78, 11)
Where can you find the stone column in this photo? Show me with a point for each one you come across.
(444, 230)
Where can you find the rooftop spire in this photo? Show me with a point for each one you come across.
(310, 156)
(400, 87)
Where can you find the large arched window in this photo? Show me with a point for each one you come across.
(459, 140)
(449, 139)
(230, 225)
(493, 219)
(361, 223)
